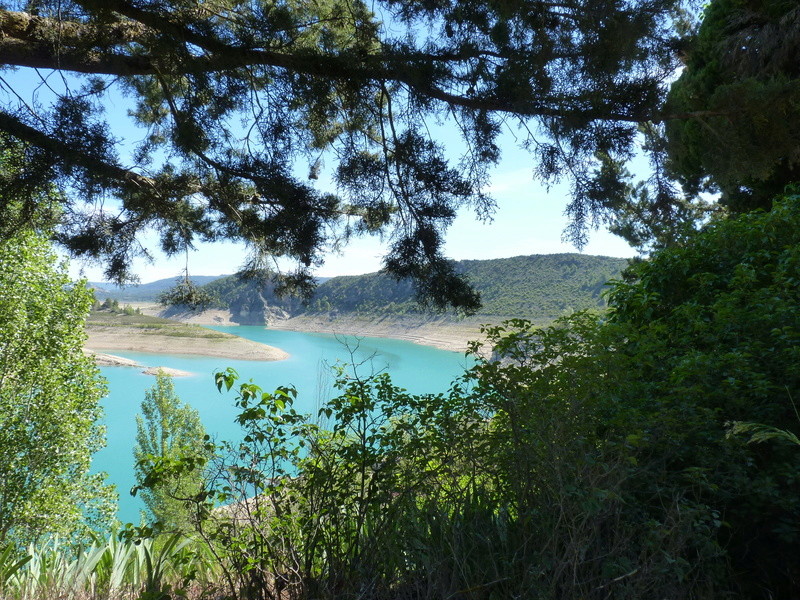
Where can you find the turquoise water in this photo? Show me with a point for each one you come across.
(419, 369)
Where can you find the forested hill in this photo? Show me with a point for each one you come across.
(145, 292)
(538, 287)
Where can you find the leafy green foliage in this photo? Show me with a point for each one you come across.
(167, 428)
(49, 400)
(391, 493)
(741, 87)
(711, 336)
(112, 307)
(759, 433)
(133, 568)
(729, 301)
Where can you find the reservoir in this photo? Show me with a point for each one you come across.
(418, 369)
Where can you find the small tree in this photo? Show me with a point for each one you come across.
(167, 430)
(185, 293)
(49, 400)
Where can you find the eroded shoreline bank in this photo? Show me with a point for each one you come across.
(439, 332)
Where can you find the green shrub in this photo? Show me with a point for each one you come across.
(510, 485)
(584, 460)
(714, 336)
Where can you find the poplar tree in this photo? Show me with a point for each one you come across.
(166, 430)
(49, 400)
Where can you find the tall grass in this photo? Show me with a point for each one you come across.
(113, 569)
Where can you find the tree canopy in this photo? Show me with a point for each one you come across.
(741, 83)
(49, 401)
(244, 105)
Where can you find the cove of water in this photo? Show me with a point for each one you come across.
(419, 369)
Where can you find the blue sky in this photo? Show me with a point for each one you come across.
(529, 218)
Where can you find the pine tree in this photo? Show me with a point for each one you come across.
(245, 107)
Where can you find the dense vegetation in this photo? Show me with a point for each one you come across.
(588, 459)
(539, 287)
(743, 60)
(49, 401)
(646, 451)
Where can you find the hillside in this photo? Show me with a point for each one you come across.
(537, 287)
(250, 301)
(145, 292)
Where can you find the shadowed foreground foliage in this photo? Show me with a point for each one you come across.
(589, 459)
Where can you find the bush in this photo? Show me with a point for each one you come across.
(587, 459)
(714, 336)
(510, 485)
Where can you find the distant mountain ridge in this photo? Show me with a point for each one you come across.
(538, 287)
(144, 292)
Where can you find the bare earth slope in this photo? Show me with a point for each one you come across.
(442, 333)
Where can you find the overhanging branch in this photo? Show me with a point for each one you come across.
(71, 155)
(86, 48)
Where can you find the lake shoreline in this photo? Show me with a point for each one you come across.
(311, 371)
(435, 332)
(101, 359)
(444, 333)
(105, 340)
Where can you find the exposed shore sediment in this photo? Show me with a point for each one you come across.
(110, 360)
(439, 332)
(214, 344)
(167, 371)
